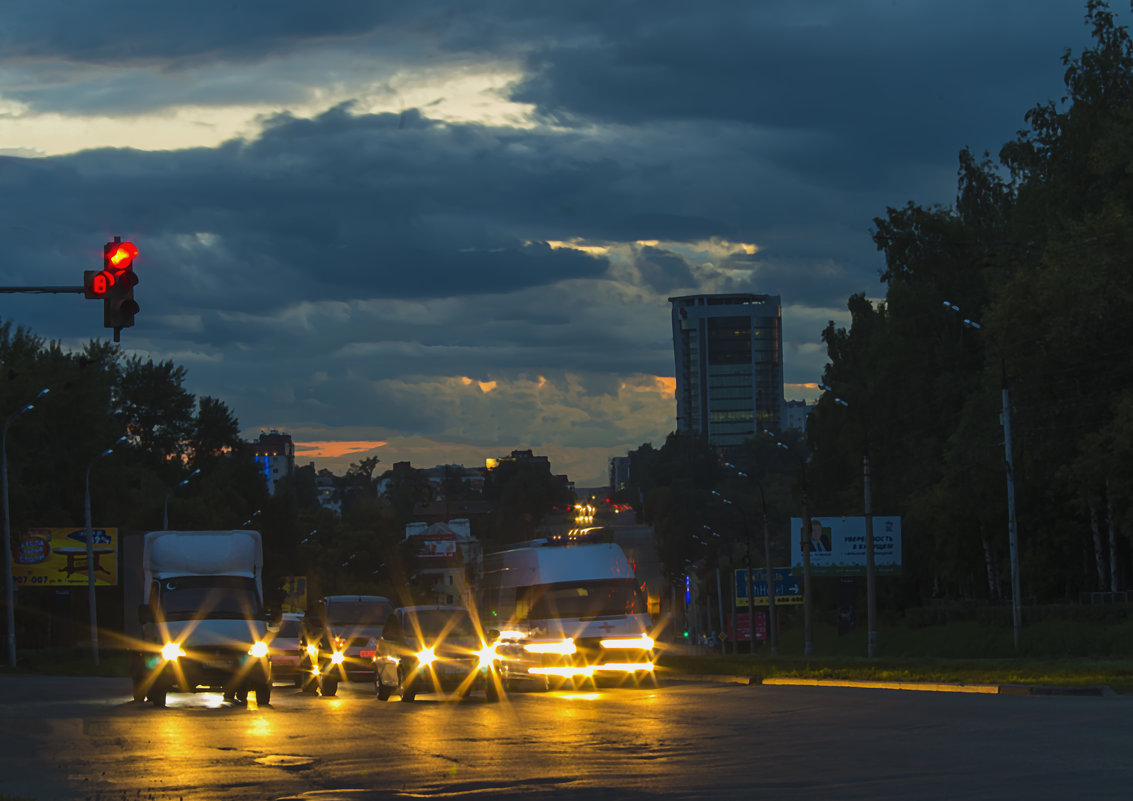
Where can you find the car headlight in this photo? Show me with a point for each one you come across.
(259, 650)
(643, 643)
(171, 651)
(337, 657)
(487, 655)
(426, 656)
(312, 650)
(562, 647)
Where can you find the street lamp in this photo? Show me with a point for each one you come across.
(772, 617)
(165, 506)
(870, 563)
(808, 605)
(9, 579)
(90, 553)
(1009, 468)
(750, 584)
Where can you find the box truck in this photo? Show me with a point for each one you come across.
(568, 608)
(202, 616)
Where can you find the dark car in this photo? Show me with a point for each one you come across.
(435, 649)
(340, 640)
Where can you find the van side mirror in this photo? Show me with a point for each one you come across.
(145, 614)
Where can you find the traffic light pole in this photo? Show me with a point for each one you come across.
(50, 290)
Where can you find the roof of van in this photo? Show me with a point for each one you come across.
(523, 567)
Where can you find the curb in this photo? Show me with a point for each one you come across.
(917, 686)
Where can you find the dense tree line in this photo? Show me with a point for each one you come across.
(1036, 251)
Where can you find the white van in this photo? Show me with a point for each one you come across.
(568, 608)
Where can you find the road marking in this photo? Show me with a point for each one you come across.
(991, 689)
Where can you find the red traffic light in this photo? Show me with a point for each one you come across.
(118, 256)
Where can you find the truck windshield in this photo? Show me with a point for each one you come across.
(215, 597)
(586, 599)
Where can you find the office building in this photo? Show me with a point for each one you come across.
(729, 362)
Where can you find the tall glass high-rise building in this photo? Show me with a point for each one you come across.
(729, 359)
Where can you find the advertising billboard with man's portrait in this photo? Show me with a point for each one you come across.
(838, 545)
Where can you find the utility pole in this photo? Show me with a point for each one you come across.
(772, 622)
(1012, 522)
(870, 572)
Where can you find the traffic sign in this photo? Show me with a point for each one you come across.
(788, 589)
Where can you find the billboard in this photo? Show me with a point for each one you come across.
(57, 557)
(837, 545)
(435, 545)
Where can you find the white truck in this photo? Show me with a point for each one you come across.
(203, 620)
(568, 609)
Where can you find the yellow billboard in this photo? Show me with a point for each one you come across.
(54, 557)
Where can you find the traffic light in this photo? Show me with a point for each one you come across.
(115, 285)
(96, 283)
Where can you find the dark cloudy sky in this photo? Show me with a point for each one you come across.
(440, 230)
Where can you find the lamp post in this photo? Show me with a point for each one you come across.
(165, 506)
(870, 562)
(9, 579)
(750, 581)
(772, 618)
(804, 541)
(90, 554)
(1009, 469)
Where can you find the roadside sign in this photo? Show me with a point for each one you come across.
(54, 557)
(788, 588)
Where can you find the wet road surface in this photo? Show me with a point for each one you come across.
(85, 739)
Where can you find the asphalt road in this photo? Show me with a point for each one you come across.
(64, 738)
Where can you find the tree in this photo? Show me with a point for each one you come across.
(1041, 261)
(215, 432)
(154, 408)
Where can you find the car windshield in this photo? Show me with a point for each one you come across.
(586, 599)
(216, 597)
(434, 622)
(358, 613)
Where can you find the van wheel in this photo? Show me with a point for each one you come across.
(263, 695)
(407, 692)
(491, 689)
(157, 696)
(328, 685)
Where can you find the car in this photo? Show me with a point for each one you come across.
(340, 639)
(286, 654)
(435, 649)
